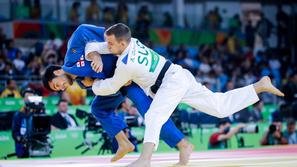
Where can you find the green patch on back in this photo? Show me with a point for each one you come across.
(155, 60)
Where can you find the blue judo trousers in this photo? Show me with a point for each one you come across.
(103, 107)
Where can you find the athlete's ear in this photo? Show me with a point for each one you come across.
(122, 43)
(59, 72)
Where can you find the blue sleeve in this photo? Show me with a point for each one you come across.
(75, 62)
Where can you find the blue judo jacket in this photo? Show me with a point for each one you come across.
(76, 64)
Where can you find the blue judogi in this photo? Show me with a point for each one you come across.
(103, 107)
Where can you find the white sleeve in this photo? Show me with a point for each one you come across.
(112, 85)
(100, 47)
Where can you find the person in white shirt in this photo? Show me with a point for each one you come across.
(168, 84)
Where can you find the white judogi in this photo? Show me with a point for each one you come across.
(142, 65)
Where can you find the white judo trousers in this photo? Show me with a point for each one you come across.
(179, 85)
(142, 65)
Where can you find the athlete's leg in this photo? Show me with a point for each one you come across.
(169, 132)
(113, 125)
(225, 104)
(169, 95)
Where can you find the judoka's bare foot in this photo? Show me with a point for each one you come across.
(265, 85)
(122, 151)
(185, 151)
(140, 163)
(145, 158)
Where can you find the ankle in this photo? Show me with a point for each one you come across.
(182, 144)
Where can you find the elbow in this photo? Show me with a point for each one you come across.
(101, 92)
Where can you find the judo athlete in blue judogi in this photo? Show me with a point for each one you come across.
(76, 67)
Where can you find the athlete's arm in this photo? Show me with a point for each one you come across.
(110, 86)
(100, 47)
(93, 51)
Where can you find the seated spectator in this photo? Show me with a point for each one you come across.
(18, 63)
(62, 119)
(35, 12)
(11, 51)
(256, 112)
(126, 109)
(92, 12)
(74, 14)
(274, 135)
(220, 139)
(168, 21)
(108, 15)
(122, 14)
(10, 90)
(143, 23)
(290, 134)
(75, 94)
(53, 43)
(2, 65)
(290, 89)
(247, 115)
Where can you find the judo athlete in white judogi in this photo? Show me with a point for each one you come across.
(168, 84)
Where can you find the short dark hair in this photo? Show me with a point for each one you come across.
(49, 75)
(62, 101)
(8, 81)
(120, 31)
(291, 121)
(28, 90)
(223, 121)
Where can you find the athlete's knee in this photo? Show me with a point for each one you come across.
(151, 118)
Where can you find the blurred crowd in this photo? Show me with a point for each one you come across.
(221, 66)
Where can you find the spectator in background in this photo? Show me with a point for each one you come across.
(2, 39)
(11, 51)
(108, 15)
(62, 119)
(35, 12)
(35, 66)
(93, 12)
(122, 15)
(2, 65)
(10, 90)
(290, 134)
(18, 63)
(256, 112)
(290, 89)
(143, 23)
(274, 135)
(282, 19)
(168, 21)
(263, 29)
(49, 56)
(75, 95)
(235, 23)
(53, 42)
(74, 13)
(127, 109)
(22, 9)
(213, 19)
(9, 70)
(220, 139)
(250, 115)
(250, 34)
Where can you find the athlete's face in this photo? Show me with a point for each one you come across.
(61, 82)
(115, 46)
